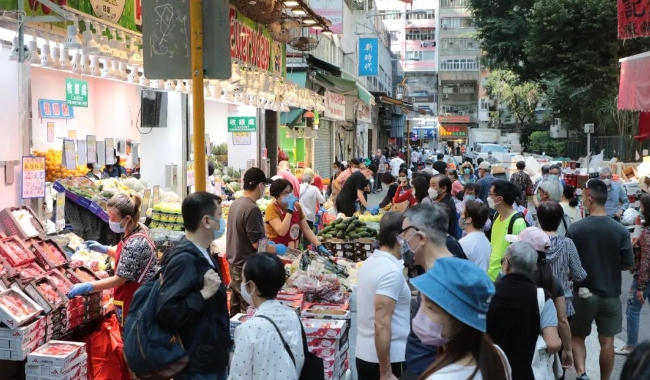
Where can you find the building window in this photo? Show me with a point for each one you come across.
(393, 35)
(414, 55)
(421, 15)
(421, 34)
(457, 22)
(397, 53)
(454, 3)
(459, 43)
(390, 15)
(461, 64)
(485, 104)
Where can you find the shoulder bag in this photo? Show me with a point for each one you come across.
(313, 368)
(544, 364)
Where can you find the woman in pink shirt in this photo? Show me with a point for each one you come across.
(456, 186)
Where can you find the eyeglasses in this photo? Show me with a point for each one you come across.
(503, 260)
(400, 235)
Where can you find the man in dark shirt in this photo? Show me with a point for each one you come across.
(442, 186)
(605, 249)
(352, 191)
(523, 182)
(425, 232)
(440, 166)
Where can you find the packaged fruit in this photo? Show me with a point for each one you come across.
(16, 308)
(15, 251)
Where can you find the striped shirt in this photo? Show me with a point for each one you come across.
(564, 260)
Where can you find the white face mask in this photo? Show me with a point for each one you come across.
(491, 203)
(245, 294)
(433, 193)
(354, 170)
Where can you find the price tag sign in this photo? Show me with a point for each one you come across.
(109, 145)
(81, 148)
(69, 154)
(50, 131)
(60, 211)
(146, 202)
(191, 175)
(156, 195)
(91, 149)
(33, 177)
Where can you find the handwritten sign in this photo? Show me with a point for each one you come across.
(50, 131)
(241, 138)
(191, 175)
(69, 154)
(146, 202)
(109, 145)
(334, 105)
(156, 195)
(91, 149)
(33, 183)
(55, 109)
(60, 211)
(72, 134)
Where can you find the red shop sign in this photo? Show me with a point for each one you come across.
(633, 18)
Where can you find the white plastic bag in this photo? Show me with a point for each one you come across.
(629, 216)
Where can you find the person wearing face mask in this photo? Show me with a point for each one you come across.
(94, 173)
(507, 221)
(428, 167)
(523, 182)
(421, 189)
(383, 307)
(353, 191)
(485, 182)
(440, 186)
(353, 167)
(555, 172)
(284, 171)
(285, 220)
(244, 231)
(455, 298)
(470, 191)
(617, 201)
(456, 185)
(466, 173)
(192, 299)
(424, 240)
(475, 244)
(270, 344)
(404, 192)
(135, 254)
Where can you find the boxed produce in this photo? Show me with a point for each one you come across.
(6, 271)
(74, 370)
(324, 328)
(289, 296)
(22, 338)
(47, 253)
(21, 222)
(46, 295)
(16, 308)
(15, 251)
(80, 274)
(29, 272)
(57, 353)
(21, 332)
(19, 354)
(60, 281)
(323, 310)
(237, 320)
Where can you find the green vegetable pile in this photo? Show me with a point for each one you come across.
(351, 228)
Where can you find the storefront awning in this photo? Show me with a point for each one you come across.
(338, 85)
(299, 78)
(290, 118)
(402, 104)
(364, 94)
(634, 88)
(322, 65)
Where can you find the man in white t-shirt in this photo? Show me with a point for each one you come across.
(383, 307)
(475, 244)
(395, 163)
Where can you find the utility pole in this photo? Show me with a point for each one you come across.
(198, 102)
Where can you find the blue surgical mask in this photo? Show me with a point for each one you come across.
(467, 171)
(553, 176)
(116, 227)
(470, 197)
(222, 228)
(407, 255)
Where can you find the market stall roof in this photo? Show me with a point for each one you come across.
(634, 87)
(290, 118)
(322, 65)
(336, 84)
(402, 104)
(363, 93)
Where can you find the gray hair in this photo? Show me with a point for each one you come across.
(553, 188)
(522, 257)
(307, 178)
(432, 220)
(606, 172)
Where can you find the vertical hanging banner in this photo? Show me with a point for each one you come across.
(33, 177)
(91, 149)
(191, 174)
(60, 211)
(69, 154)
(633, 18)
(81, 152)
(101, 153)
(368, 56)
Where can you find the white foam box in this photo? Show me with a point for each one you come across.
(82, 374)
(14, 321)
(20, 332)
(324, 328)
(40, 357)
(76, 366)
(21, 340)
(19, 354)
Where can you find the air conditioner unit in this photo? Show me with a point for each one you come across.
(461, 113)
(444, 27)
(445, 96)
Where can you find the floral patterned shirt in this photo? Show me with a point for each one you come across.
(641, 270)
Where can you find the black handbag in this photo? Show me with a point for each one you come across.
(313, 368)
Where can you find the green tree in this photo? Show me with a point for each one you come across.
(521, 98)
(541, 141)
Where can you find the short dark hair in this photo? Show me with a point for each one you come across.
(479, 160)
(479, 213)
(440, 156)
(645, 202)
(444, 181)
(403, 170)
(452, 172)
(550, 215)
(421, 187)
(546, 169)
(267, 272)
(253, 177)
(196, 206)
(211, 168)
(89, 166)
(389, 227)
(278, 186)
(637, 365)
(373, 168)
(472, 186)
(425, 175)
(597, 191)
(521, 165)
(554, 166)
(507, 190)
(354, 161)
(387, 178)
(569, 193)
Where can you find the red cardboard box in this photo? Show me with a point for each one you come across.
(12, 226)
(324, 328)
(48, 253)
(15, 251)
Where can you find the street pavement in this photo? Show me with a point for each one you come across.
(593, 348)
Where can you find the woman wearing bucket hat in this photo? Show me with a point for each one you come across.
(455, 299)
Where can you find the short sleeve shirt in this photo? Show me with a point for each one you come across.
(136, 255)
(245, 227)
(273, 212)
(499, 243)
(348, 193)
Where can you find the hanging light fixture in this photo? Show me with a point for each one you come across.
(76, 62)
(72, 40)
(297, 11)
(122, 56)
(317, 27)
(95, 70)
(136, 58)
(35, 58)
(309, 21)
(169, 85)
(157, 83)
(15, 51)
(121, 71)
(85, 65)
(290, 3)
(46, 55)
(107, 68)
(143, 80)
(55, 47)
(133, 76)
(64, 59)
(327, 32)
(90, 45)
(115, 50)
(180, 86)
(102, 43)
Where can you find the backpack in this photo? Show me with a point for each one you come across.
(511, 225)
(151, 352)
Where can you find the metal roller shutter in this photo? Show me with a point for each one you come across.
(323, 150)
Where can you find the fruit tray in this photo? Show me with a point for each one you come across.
(15, 251)
(12, 226)
(60, 281)
(16, 308)
(28, 273)
(57, 353)
(45, 294)
(47, 253)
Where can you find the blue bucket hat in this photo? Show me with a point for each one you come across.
(459, 287)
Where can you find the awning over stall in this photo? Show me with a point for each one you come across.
(336, 84)
(634, 88)
(290, 118)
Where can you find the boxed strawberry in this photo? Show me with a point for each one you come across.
(57, 353)
(324, 328)
(15, 251)
(75, 368)
(6, 270)
(19, 354)
(20, 341)
(289, 296)
(21, 222)
(47, 252)
(296, 305)
(45, 293)
(20, 332)
(60, 281)
(324, 310)
(16, 308)
(237, 320)
(81, 274)
(28, 273)
(334, 365)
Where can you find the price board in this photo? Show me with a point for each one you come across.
(91, 149)
(33, 177)
(191, 175)
(69, 154)
(60, 211)
(156, 195)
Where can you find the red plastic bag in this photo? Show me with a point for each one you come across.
(105, 356)
(225, 269)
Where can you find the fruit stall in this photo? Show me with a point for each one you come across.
(38, 321)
